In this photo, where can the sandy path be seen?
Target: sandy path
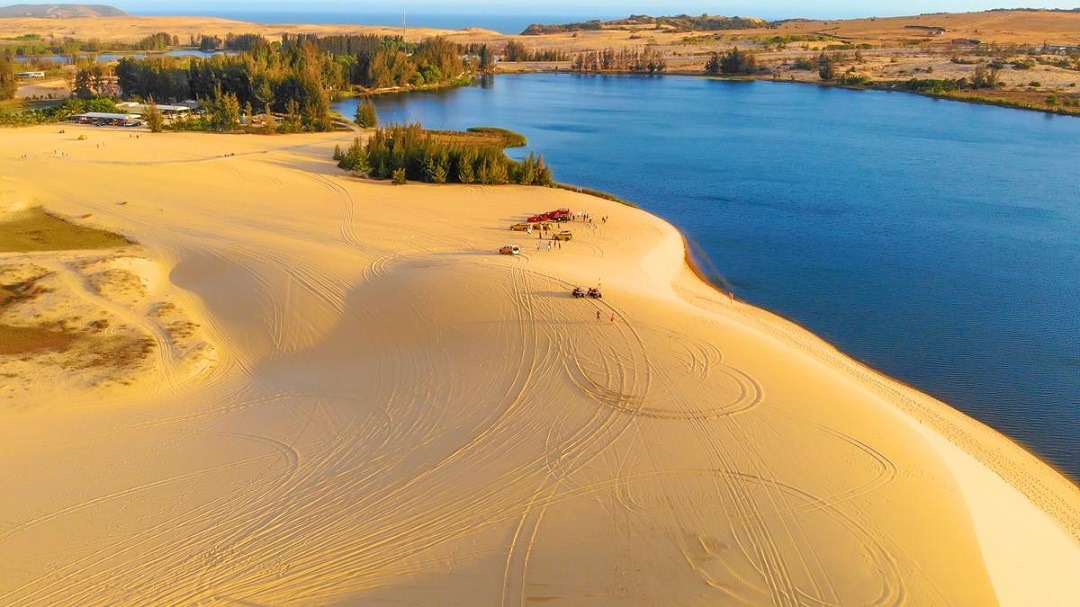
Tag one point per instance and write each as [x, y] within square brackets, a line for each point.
[399, 415]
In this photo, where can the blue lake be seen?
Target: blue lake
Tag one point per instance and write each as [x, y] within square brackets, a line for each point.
[934, 240]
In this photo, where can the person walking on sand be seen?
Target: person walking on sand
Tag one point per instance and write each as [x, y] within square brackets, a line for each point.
[612, 317]
[549, 245]
[598, 315]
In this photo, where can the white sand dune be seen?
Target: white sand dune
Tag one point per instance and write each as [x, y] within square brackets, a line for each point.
[398, 415]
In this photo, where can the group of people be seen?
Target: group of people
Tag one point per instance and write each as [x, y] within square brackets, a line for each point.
[588, 218]
[540, 244]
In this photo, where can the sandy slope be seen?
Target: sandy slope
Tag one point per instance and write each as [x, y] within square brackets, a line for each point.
[398, 415]
[1002, 27]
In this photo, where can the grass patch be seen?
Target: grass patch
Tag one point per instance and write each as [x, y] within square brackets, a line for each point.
[23, 340]
[481, 135]
[36, 230]
[114, 352]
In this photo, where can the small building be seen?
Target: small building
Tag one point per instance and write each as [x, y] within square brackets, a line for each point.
[30, 75]
[107, 119]
[169, 111]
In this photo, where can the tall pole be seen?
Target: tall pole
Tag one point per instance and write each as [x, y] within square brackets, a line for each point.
[404, 29]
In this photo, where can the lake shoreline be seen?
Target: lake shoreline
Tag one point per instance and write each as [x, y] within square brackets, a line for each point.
[665, 398]
[974, 375]
[885, 86]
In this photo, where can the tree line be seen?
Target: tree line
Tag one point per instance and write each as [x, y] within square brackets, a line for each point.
[408, 152]
[377, 62]
[293, 77]
[295, 81]
[636, 60]
[231, 42]
[516, 51]
[732, 62]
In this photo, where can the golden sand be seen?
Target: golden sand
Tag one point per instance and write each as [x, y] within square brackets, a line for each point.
[395, 414]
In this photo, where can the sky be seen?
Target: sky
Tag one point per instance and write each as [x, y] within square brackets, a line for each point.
[768, 9]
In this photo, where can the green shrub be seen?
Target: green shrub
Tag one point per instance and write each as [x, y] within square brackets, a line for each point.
[366, 115]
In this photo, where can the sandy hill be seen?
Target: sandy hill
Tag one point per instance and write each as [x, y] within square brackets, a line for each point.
[396, 414]
[681, 23]
[60, 11]
[1004, 27]
[1001, 26]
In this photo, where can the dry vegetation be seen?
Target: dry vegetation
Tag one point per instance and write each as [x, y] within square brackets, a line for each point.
[23, 340]
[76, 309]
[36, 230]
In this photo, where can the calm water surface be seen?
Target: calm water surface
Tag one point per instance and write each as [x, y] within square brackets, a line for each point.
[934, 240]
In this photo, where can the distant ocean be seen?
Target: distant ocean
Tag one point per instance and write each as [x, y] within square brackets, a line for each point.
[506, 24]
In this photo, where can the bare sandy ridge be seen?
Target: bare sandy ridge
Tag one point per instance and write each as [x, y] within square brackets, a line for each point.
[1001, 27]
[397, 414]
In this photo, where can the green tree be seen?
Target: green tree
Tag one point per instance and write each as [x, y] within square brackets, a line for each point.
[8, 85]
[465, 166]
[516, 51]
[366, 115]
[826, 67]
[985, 77]
[93, 81]
[487, 59]
[269, 121]
[154, 119]
[398, 177]
[291, 124]
[229, 116]
[354, 159]
[544, 176]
